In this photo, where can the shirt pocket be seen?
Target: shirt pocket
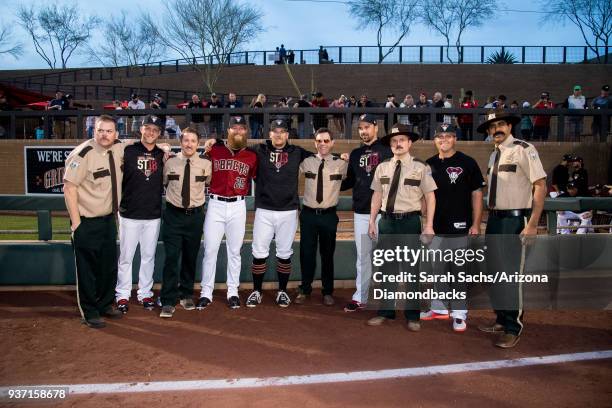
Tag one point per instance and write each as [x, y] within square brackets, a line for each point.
[335, 177]
[100, 178]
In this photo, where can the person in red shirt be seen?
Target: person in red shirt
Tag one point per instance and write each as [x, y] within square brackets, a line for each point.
[319, 120]
[541, 123]
[233, 168]
[466, 122]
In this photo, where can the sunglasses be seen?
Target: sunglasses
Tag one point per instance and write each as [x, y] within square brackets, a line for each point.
[323, 141]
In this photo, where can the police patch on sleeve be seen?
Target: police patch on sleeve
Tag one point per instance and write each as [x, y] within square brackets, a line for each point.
[74, 165]
[533, 155]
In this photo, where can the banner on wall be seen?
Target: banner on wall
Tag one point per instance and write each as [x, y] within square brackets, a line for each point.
[44, 169]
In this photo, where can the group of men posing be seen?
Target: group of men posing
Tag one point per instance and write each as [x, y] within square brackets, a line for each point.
[391, 190]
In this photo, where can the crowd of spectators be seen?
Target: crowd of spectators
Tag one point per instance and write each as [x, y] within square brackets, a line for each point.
[531, 127]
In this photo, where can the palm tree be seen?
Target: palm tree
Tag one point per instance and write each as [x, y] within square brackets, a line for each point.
[501, 57]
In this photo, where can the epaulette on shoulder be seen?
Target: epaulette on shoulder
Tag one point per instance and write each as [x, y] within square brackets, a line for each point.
[85, 150]
[522, 143]
[117, 141]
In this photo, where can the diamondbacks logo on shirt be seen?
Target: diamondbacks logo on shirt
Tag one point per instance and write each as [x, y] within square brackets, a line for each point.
[231, 165]
[369, 161]
[279, 159]
[454, 173]
[146, 164]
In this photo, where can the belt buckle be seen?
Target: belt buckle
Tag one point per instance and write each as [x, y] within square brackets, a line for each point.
[398, 216]
[189, 211]
[318, 211]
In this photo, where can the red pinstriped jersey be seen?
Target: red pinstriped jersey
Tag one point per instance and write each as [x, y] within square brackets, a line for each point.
[231, 172]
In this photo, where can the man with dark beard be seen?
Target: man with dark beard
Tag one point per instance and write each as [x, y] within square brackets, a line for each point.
[233, 168]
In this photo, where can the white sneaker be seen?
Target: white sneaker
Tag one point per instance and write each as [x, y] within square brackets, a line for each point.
[459, 325]
[254, 299]
[282, 299]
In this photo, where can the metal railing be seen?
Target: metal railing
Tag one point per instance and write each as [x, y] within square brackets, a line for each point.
[353, 54]
[43, 206]
[342, 121]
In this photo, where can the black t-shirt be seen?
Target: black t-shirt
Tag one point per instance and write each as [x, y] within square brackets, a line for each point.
[142, 182]
[456, 177]
[560, 177]
[277, 176]
[361, 168]
[196, 117]
[580, 178]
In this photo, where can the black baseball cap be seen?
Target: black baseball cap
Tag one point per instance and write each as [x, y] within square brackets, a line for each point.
[605, 88]
[134, 96]
[368, 117]
[152, 120]
[445, 128]
[279, 123]
[237, 120]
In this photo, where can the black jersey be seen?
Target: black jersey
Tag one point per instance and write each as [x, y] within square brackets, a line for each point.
[142, 182]
[362, 165]
[277, 176]
[456, 177]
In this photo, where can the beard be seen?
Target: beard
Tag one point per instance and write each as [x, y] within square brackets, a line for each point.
[236, 142]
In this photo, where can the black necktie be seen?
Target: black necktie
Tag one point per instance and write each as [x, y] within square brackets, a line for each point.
[394, 187]
[186, 190]
[320, 183]
[493, 187]
[113, 173]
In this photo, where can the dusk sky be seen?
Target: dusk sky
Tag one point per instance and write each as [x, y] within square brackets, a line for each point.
[308, 24]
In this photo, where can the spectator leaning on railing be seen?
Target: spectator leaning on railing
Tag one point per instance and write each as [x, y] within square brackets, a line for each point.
[197, 119]
[466, 122]
[135, 103]
[301, 103]
[603, 101]
[575, 101]
[541, 123]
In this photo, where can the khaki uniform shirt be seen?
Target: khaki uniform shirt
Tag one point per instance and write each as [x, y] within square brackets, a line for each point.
[334, 171]
[518, 168]
[415, 182]
[200, 171]
[88, 167]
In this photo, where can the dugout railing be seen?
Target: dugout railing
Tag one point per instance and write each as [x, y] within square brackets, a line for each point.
[594, 123]
[48, 262]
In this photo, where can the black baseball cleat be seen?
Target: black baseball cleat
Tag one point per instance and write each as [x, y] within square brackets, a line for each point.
[148, 303]
[123, 305]
[95, 323]
[233, 302]
[112, 313]
[203, 303]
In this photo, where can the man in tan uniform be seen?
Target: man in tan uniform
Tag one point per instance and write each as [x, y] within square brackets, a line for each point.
[318, 219]
[517, 188]
[185, 176]
[92, 190]
[399, 185]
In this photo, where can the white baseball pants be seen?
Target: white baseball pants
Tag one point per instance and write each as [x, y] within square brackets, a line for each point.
[277, 225]
[229, 219]
[131, 233]
[363, 264]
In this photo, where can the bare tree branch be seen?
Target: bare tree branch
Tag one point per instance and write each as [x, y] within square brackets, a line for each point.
[57, 32]
[7, 44]
[385, 16]
[451, 18]
[592, 17]
[126, 42]
[205, 32]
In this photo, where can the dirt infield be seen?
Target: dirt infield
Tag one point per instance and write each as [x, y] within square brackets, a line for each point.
[45, 343]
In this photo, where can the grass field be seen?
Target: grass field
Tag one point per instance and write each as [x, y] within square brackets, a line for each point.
[30, 222]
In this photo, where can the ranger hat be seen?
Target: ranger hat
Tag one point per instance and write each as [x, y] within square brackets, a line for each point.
[400, 129]
[495, 116]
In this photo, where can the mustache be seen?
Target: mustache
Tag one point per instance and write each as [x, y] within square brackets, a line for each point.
[498, 134]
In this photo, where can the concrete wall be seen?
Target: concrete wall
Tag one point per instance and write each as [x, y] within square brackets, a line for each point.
[596, 157]
[519, 81]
